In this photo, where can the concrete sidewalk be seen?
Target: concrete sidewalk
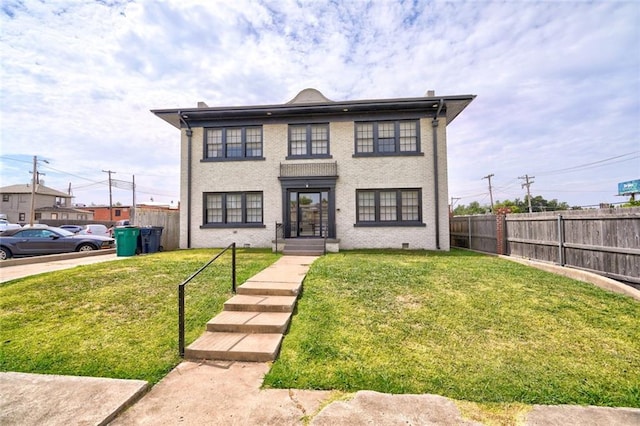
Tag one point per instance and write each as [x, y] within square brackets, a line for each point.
[23, 267]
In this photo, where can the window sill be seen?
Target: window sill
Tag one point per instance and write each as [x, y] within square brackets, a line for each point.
[222, 159]
[308, 157]
[389, 224]
[232, 225]
[388, 154]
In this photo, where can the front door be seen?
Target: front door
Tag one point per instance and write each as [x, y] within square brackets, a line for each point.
[309, 213]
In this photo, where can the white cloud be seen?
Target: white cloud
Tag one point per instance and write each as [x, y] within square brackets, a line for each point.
[557, 82]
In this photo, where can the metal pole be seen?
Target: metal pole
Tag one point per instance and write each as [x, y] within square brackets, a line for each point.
[560, 241]
[233, 268]
[181, 320]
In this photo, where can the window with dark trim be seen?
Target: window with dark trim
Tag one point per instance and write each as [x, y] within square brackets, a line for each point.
[375, 207]
[233, 143]
[400, 137]
[309, 141]
[5, 197]
[229, 209]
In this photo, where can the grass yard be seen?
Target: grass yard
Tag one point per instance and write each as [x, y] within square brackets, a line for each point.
[462, 325]
[116, 319]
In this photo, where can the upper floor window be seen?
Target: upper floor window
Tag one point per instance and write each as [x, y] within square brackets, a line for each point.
[233, 143]
[5, 197]
[233, 208]
[388, 207]
[387, 137]
[309, 141]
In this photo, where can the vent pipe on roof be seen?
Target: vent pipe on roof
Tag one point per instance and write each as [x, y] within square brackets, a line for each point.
[431, 93]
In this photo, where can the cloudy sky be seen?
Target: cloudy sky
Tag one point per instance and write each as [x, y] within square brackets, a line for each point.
[557, 84]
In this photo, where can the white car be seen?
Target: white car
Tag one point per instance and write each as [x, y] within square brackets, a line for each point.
[4, 225]
[95, 229]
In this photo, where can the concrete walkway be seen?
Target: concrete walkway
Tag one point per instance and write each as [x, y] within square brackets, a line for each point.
[23, 267]
[228, 393]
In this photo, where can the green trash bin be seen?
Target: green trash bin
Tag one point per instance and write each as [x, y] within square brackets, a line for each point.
[126, 240]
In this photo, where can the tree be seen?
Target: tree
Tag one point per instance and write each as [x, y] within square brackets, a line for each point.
[515, 206]
[538, 204]
[474, 207]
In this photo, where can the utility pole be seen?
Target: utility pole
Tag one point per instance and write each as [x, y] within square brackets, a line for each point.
[454, 200]
[35, 181]
[527, 183]
[489, 176]
[32, 211]
[132, 217]
[110, 196]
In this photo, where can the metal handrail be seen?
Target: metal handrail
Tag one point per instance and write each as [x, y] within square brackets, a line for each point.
[278, 228]
[182, 285]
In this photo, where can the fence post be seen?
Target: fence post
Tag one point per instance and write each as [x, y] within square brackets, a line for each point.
[469, 229]
[181, 320]
[233, 268]
[560, 241]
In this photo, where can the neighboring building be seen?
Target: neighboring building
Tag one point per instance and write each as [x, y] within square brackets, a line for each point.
[48, 204]
[104, 213]
[365, 174]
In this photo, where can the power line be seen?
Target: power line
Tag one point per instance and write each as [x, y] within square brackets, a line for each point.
[635, 154]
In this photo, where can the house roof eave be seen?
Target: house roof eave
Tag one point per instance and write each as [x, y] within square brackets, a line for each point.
[453, 106]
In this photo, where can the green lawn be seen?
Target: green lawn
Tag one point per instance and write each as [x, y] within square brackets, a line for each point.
[116, 319]
[462, 325]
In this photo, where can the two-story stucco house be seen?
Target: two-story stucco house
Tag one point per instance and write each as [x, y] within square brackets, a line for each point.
[363, 174]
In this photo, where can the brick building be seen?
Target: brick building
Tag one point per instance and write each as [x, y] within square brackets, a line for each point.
[364, 174]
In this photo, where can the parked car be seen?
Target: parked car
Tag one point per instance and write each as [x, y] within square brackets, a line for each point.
[95, 229]
[49, 240]
[72, 228]
[4, 225]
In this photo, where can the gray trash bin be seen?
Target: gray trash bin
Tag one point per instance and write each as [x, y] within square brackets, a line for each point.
[150, 238]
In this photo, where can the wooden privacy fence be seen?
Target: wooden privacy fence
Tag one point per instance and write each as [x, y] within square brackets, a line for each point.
[168, 219]
[476, 232]
[605, 241]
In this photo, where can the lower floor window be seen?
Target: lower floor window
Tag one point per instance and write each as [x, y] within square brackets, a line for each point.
[228, 208]
[388, 206]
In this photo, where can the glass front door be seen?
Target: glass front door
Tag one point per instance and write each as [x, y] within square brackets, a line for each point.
[308, 213]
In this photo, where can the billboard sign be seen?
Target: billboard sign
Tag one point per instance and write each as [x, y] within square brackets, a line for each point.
[629, 187]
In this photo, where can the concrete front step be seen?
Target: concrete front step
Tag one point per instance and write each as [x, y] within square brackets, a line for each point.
[250, 322]
[298, 252]
[304, 247]
[259, 347]
[251, 303]
[270, 288]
